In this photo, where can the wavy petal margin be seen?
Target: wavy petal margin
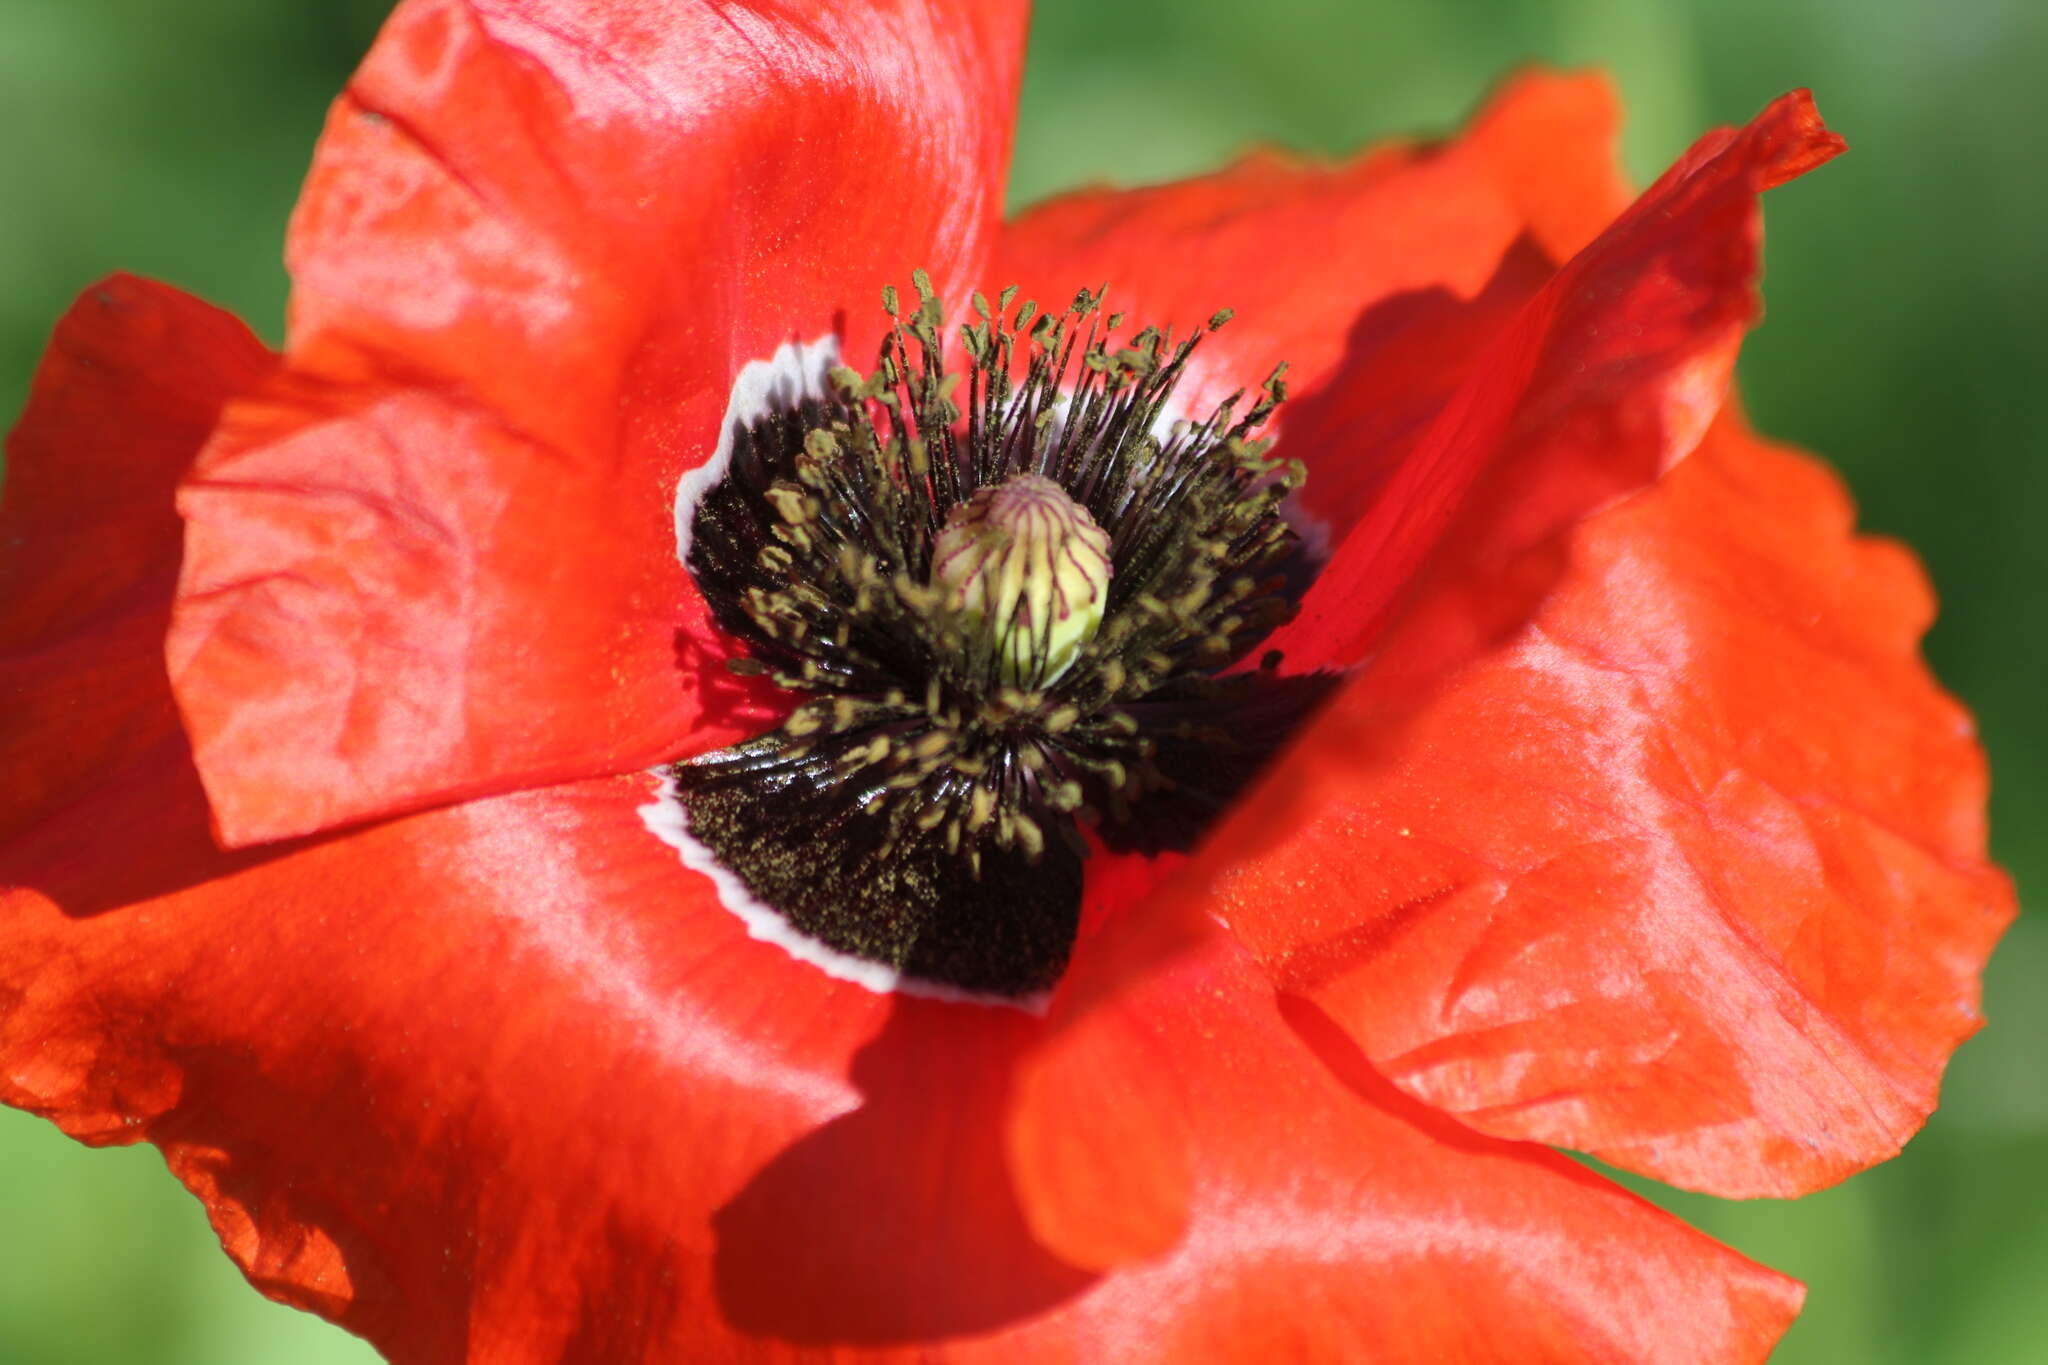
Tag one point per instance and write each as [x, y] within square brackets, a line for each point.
[1685, 867]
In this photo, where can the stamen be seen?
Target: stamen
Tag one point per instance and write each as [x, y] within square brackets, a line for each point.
[1006, 617]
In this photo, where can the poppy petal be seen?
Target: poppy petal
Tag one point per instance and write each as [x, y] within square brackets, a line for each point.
[503, 1082]
[1313, 257]
[436, 557]
[1684, 867]
[1257, 1154]
[133, 380]
[1615, 366]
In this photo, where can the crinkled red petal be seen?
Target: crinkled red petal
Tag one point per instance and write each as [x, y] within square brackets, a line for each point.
[1177, 1113]
[1371, 279]
[132, 383]
[437, 557]
[1611, 370]
[1683, 865]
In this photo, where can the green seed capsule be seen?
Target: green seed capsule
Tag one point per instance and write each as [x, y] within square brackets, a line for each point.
[1027, 570]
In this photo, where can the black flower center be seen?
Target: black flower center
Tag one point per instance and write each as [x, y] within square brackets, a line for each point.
[1013, 611]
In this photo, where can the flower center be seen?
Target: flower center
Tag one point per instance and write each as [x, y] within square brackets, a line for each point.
[1009, 619]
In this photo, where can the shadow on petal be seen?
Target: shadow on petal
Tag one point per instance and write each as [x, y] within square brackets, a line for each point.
[734, 707]
[1404, 356]
[898, 1221]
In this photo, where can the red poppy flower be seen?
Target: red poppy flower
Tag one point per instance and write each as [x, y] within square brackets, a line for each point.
[1630, 821]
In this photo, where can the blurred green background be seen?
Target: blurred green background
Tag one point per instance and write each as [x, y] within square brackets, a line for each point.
[1908, 292]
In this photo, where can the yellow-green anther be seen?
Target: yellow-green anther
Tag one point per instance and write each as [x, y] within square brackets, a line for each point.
[1026, 570]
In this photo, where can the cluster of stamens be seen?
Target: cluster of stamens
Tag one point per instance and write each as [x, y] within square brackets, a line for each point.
[955, 714]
